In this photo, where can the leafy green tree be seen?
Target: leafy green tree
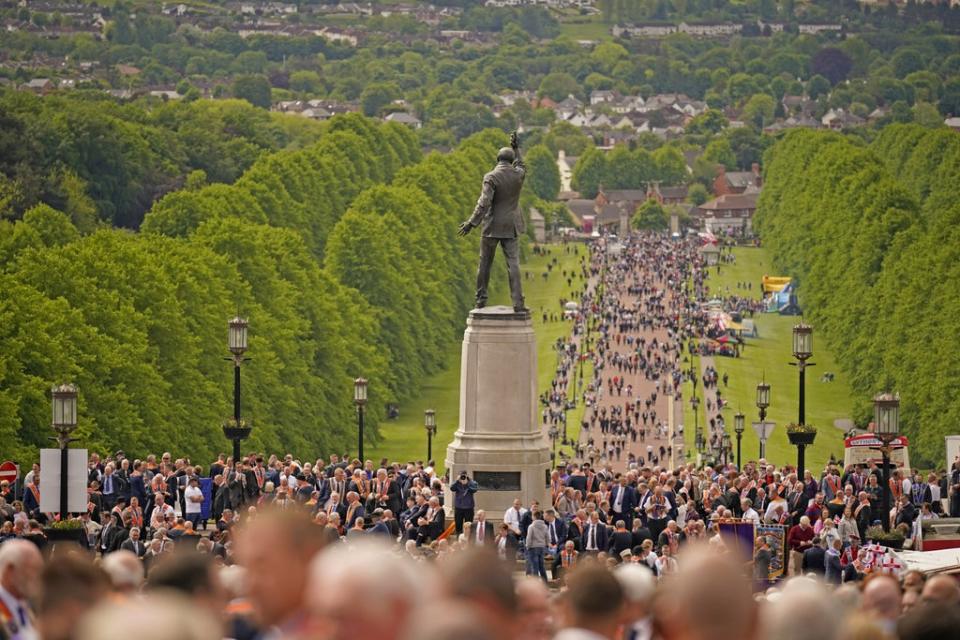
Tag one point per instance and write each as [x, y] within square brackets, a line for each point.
[832, 63]
[759, 110]
[558, 85]
[589, 172]
[817, 86]
[650, 216]
[697, 194]
[671, 165]
[254, 88]
[543, 176]
[378, 95]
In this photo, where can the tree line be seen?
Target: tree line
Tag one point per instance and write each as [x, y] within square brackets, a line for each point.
[342, 255]
[870, 233]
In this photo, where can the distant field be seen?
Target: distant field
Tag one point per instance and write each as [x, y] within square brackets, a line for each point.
[585, 28]
[405, 438]
[769, 356]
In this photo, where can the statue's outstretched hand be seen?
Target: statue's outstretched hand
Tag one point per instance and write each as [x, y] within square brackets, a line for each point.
[465, 228]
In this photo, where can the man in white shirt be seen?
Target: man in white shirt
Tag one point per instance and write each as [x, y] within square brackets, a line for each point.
[749, 513]
[193, 498]
[513, 515]
[20, 568]
[160, 512]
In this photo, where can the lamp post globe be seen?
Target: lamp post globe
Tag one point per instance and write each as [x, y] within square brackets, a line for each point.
[237, 336]
[886, 418]
[360, 399]
[430, 424]
[738, 427]
[64, 406]
[802, 341]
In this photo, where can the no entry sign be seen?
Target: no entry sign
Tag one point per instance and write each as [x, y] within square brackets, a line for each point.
[8, 471]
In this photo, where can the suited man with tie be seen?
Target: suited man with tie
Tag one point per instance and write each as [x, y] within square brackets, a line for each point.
[565, 560]
[430, 526]
[623, 501]
[334, 505]
[336, 484]
[133, 543]
[20, 567]
[556, 532]
[481, 533]
[595, 536]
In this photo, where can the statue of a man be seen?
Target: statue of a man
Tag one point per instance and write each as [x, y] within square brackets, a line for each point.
[498, 209]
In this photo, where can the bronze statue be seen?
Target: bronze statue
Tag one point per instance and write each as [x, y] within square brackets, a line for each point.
[498, 209]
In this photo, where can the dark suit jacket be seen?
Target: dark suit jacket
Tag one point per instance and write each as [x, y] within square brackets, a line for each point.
[602, 536]
[813, 560]
[619, 541]
[128, 546]
[630, 500]
[489, 535]
[435, 528]
[574, 533]
[498, 207]
[138, 489]
[561, 528]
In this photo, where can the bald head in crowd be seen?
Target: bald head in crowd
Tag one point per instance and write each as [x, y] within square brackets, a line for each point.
[594, 600]
[277, 546]
[882, 597]
[708, 599]
[942, 589]
[365, 591]
[20, 567]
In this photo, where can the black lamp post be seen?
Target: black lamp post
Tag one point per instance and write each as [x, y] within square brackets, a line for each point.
[430, 424]
[64, 422]
[763, 403]
[886, 420]
[725, 447]
[738, 422]
[236, 430]
[360, 399]
[553, 433]
[801, 434]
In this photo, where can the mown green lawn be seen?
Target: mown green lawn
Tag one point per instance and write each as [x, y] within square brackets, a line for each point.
[585, 28]
[768, 356]
[405, 438]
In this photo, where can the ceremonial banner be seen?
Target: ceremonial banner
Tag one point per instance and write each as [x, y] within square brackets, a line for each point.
[206, 486]
[776, 535]
[738, 536]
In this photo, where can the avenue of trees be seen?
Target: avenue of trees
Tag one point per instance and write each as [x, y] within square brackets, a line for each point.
[103, 162]
[343, 255]
[870, 232]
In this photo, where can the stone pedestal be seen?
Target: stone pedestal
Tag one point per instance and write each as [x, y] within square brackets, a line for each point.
[499, 442]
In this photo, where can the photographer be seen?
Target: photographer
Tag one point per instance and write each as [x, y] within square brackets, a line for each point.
[463, 490]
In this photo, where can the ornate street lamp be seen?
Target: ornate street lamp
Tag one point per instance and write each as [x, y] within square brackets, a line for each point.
[802, 434]
[738, 422]
[64, 422]
[886, 421]
[430, 424]
[725, 447]
[236, 430]
[360, 399]
[763, 428]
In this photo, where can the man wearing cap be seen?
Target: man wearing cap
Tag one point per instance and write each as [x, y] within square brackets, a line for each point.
[498, 210]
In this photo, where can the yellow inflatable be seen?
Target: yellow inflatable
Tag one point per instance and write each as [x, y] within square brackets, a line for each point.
[775, 283]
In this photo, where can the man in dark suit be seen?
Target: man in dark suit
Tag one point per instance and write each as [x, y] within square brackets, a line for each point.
[133, 543]
[623, 501]
[595, 536]
[336, 484]
[499, 212]
[386, 492]
[621, 540]
[814, 558]
[430, 526]
[481, 532]
[556, 532]
[575, 531]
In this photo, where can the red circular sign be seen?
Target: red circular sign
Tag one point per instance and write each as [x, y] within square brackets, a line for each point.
[8, 471]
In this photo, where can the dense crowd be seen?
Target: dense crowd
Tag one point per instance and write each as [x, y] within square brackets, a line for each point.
[626, 545]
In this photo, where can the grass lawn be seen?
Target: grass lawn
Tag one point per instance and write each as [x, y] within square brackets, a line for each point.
[585, 28]
[405, 439]
[768, 356]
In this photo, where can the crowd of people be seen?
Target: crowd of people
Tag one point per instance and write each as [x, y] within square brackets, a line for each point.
[628, 543]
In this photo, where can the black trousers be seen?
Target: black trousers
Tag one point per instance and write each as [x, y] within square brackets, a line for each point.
[511, 251]
[460, 516]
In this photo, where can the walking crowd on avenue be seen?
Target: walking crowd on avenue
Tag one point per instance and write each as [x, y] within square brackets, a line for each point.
[635, 540]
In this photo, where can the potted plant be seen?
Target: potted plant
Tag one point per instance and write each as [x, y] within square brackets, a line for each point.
[70, 530]
[893, 538]
[801, 434]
